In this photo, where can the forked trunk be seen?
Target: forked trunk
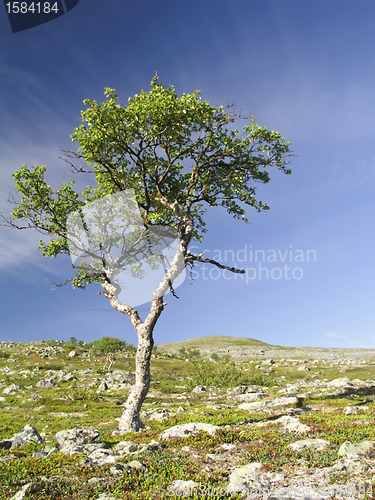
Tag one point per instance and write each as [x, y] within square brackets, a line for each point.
[130, 419]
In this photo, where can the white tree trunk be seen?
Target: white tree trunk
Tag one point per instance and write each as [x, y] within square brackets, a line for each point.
[130, 420]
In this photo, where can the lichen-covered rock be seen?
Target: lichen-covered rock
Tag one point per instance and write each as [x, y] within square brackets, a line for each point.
[351, 466]
[45, 452]
[11, 389]
[28, 435]
[184, 430]
[340, 382]
[248, 477]
[45, 383]
[137, 465]
[183, 488]
[365, 449]
[159, 414]
[199, 389]
[25, 490]
[77, 436]
[292, 424]
[255, 406]
[125, 447]
[250, 397]
[310, 444]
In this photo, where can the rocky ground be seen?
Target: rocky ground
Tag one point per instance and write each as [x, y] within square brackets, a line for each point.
[272, 423]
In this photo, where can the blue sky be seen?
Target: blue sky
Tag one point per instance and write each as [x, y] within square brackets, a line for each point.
[305, 69]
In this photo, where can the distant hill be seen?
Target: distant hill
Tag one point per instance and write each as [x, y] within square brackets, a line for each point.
[213, 343]
[242, 348]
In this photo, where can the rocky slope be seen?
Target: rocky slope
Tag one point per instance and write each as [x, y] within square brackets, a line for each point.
[307, 432]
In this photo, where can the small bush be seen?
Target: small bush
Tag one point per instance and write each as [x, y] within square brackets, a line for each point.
[225, 375]
[112, 347]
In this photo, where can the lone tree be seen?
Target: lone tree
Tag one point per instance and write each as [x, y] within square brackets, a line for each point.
[179, 157]
[112, 347]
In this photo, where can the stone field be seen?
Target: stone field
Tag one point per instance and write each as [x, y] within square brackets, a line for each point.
[226, 417]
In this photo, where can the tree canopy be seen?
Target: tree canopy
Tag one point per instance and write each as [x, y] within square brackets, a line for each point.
[178, 154]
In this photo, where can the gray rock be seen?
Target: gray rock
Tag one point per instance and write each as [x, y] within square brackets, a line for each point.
[340, 382]
[35, 397]
[45, 383]
[288, 424]
[235, 391]
[292, 424]
[184, 430]
[351, 466]
[91, 447]
[199, 389]
[311, 444]
[77, 436]
[28, 435]
[137, 465]
[125, 447]
[103, 386]
[159, 414]
[183, 488]
[106, 496]
[119, 469]
[11, 389]
[152, 446]
[45, 452]
[69, 377]
[254, 388]
[25, 490]
[286, 401]
[216, 457]
[102, 456]
[248, 477]
[303, 368]
[365, 449]
[250, 396]
[72, 354]
[255, 406]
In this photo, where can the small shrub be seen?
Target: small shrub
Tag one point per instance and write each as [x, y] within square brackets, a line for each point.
[225, 375]
[112, 347]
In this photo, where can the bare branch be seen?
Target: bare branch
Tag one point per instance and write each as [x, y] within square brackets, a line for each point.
[61, 284]
[72, 154]
[190, 257]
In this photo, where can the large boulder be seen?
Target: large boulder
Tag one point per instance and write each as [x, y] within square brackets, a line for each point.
[184, 430]
[11, 389]
[248, 477]
[310, 444]
[45, 383]
[28, 435]
[365, 449]
[292, 424]
[77, 436]
[254, 407]
[340, 382]
[125, 447]
[250, 397]
[159, 414]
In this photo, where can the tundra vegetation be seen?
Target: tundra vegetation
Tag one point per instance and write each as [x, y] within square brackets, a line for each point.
[326, 394]
[179, 156]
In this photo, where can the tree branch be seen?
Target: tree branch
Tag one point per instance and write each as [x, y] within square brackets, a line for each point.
[190, 258]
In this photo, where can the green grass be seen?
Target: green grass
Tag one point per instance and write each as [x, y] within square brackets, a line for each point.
[63, 477]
